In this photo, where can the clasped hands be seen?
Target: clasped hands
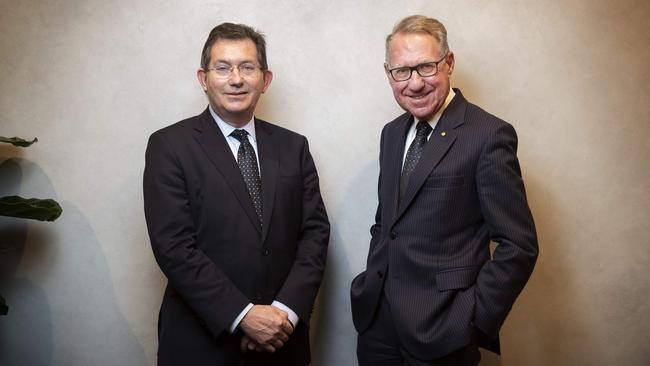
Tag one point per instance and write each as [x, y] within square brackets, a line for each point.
[266, 328]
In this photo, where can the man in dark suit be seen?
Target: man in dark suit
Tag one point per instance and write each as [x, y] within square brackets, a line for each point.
[449, 184]
[236, 220]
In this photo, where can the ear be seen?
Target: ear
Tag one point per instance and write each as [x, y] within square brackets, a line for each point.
[390, 78]
[449, 61]
[268, 76]
[202, 76]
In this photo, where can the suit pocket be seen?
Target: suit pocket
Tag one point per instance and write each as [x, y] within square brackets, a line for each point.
[434, 182]
[457, 278]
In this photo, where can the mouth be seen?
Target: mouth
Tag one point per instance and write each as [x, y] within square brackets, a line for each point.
[419, 96]
[236, 94]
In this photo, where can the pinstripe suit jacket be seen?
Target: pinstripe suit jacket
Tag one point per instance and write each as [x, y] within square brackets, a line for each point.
[430, 252]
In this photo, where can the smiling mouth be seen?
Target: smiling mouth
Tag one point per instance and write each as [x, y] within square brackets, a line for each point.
[420, 96]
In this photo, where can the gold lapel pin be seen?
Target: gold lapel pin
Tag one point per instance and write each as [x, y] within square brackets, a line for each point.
[443, 133]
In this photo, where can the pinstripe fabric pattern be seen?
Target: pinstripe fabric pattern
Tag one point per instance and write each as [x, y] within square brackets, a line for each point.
[429, 253]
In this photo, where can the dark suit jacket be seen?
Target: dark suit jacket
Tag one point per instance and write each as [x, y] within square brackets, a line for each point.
[430, 253]
[206, 238]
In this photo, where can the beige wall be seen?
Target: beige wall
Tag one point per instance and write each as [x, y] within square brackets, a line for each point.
[92, 79]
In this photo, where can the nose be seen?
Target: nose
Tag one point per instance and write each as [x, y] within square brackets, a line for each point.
[416, 82]
[235, 78]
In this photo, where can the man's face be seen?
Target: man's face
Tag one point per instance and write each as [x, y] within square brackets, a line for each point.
[421, 96]
[234, 97]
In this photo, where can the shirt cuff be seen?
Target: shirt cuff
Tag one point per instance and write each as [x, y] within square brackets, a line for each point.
[235, 324]
[293, 317]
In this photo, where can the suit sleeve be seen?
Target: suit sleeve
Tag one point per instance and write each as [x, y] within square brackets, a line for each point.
[375, 229]
[510, 224]
[201, 285]
[365, 289]
[301, 286]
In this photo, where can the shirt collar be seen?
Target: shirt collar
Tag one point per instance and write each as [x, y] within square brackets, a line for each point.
[227, 129]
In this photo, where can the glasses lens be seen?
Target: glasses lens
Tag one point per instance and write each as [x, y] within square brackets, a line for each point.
[427, 69]
[247, 69]
[222, 70]
[401, 74]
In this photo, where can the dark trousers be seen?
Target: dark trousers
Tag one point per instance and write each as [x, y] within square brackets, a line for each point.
[380, 345]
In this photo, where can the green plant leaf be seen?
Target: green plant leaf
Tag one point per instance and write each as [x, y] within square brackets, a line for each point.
[17, 141]
[30, 208]
[4, 309]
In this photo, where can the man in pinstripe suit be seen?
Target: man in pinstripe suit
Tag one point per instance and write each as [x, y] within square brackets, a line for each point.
[449, 184]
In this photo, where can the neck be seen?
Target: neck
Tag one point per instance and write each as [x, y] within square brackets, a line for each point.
[237, 121]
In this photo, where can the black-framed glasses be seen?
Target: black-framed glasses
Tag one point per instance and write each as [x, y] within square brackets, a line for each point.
[424, 69]
[224, 71]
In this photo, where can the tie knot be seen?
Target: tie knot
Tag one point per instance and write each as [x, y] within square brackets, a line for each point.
[240, 135]
[422, 129]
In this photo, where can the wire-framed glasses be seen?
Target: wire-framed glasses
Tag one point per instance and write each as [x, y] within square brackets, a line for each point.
[224, 71]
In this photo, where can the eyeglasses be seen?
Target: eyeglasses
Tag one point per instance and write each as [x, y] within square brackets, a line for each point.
[224, 71]
[424, 69]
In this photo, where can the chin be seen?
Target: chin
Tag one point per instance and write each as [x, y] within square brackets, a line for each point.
[236, 111]
[234, 108]
[421, 114]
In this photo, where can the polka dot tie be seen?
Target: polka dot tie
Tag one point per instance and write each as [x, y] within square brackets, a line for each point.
[413, 155]
[248, 165]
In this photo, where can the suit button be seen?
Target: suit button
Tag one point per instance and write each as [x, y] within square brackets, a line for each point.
[380, 274]
[258, 297]
[265, 251]
[393, 235]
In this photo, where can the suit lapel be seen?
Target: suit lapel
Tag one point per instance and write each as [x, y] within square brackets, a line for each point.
[442, 138]
[215, 146]
[268, 153]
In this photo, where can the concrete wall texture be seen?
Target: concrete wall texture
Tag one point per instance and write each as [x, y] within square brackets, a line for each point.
[92, 79]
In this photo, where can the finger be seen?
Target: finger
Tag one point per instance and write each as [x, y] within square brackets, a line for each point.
[244, 344]
[268, 348]
[282, 336]
[287, 327]
[252, 346]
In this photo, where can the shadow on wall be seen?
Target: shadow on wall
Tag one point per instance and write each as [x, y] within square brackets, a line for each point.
[550, 295]
[332, 311]
[333, 333]
[57, 283]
